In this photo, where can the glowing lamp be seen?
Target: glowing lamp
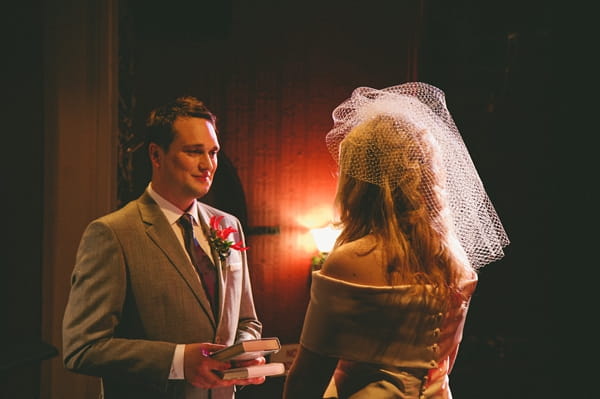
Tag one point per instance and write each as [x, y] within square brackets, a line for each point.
[324, 238]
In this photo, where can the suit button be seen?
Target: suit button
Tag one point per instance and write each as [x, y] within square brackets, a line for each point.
[217, 340]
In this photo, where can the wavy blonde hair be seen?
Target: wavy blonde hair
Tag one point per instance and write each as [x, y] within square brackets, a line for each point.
[391, 185]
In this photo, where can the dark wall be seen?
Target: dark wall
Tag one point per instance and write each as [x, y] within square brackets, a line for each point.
[22, 185]
[494, 61]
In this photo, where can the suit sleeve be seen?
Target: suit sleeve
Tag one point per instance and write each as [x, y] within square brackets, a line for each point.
[93, 313]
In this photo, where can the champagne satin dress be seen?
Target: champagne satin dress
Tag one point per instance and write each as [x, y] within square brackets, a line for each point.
[393, 341]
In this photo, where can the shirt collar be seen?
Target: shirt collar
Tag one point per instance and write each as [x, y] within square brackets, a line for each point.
[172, 212]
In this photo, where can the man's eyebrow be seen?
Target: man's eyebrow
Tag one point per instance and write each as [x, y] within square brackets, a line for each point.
[216, 147]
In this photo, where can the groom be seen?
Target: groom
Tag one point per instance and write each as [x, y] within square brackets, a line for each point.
[139, 314]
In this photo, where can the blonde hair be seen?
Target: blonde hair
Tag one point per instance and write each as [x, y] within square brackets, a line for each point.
[404, 207]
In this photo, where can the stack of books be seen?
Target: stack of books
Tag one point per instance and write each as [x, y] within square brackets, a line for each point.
[248, 350]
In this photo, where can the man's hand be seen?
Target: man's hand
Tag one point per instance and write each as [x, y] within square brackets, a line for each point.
[198, 366]
[246, 363]
[250, 362]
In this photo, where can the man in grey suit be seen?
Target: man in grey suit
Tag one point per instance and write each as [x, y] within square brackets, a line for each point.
[139, 314]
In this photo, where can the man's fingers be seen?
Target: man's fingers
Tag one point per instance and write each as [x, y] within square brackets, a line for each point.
[251, 381]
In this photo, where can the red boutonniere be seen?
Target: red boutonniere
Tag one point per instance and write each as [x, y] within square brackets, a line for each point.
[218, 238]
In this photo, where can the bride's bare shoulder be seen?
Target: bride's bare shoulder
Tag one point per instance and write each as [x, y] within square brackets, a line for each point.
[358, 261]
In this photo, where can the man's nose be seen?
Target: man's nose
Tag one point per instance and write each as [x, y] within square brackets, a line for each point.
[206, 162]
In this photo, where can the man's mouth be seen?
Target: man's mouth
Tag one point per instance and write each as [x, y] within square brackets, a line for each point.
[204, 177]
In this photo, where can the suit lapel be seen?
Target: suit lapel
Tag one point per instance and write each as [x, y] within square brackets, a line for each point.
[204, 217]
[161, 233]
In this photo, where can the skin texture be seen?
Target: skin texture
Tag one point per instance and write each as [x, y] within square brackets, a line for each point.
[198, 367]
[186, 169]
[311, 375]
[354, 262]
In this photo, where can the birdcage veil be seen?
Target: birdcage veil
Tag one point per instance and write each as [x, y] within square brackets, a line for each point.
[418, 107]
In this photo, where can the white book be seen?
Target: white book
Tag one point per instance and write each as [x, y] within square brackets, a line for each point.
[260, 370]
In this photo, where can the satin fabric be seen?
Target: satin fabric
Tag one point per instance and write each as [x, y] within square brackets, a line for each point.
[394, 341]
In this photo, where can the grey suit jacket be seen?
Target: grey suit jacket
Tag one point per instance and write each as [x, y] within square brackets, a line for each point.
[134, 296]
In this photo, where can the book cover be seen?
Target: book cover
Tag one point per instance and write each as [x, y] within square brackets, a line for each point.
[261, 370]
[250, 349]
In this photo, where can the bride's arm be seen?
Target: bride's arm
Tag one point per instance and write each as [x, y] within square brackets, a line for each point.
[309, 375]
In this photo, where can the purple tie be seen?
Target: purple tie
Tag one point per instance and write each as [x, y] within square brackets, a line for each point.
[204, 266]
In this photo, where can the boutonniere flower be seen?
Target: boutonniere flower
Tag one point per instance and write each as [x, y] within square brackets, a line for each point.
[218, 238]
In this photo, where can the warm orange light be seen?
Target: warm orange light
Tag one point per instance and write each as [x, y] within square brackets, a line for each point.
[318, 215]
[325, 238]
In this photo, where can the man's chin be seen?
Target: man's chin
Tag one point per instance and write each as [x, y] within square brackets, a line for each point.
[202, 190]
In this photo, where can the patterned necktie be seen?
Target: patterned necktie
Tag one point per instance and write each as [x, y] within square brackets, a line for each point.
[204, 266]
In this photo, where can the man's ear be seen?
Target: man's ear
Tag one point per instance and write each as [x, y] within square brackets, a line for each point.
[154, 151]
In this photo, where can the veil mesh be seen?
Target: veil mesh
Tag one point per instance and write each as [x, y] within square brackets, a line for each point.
[417, 108]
